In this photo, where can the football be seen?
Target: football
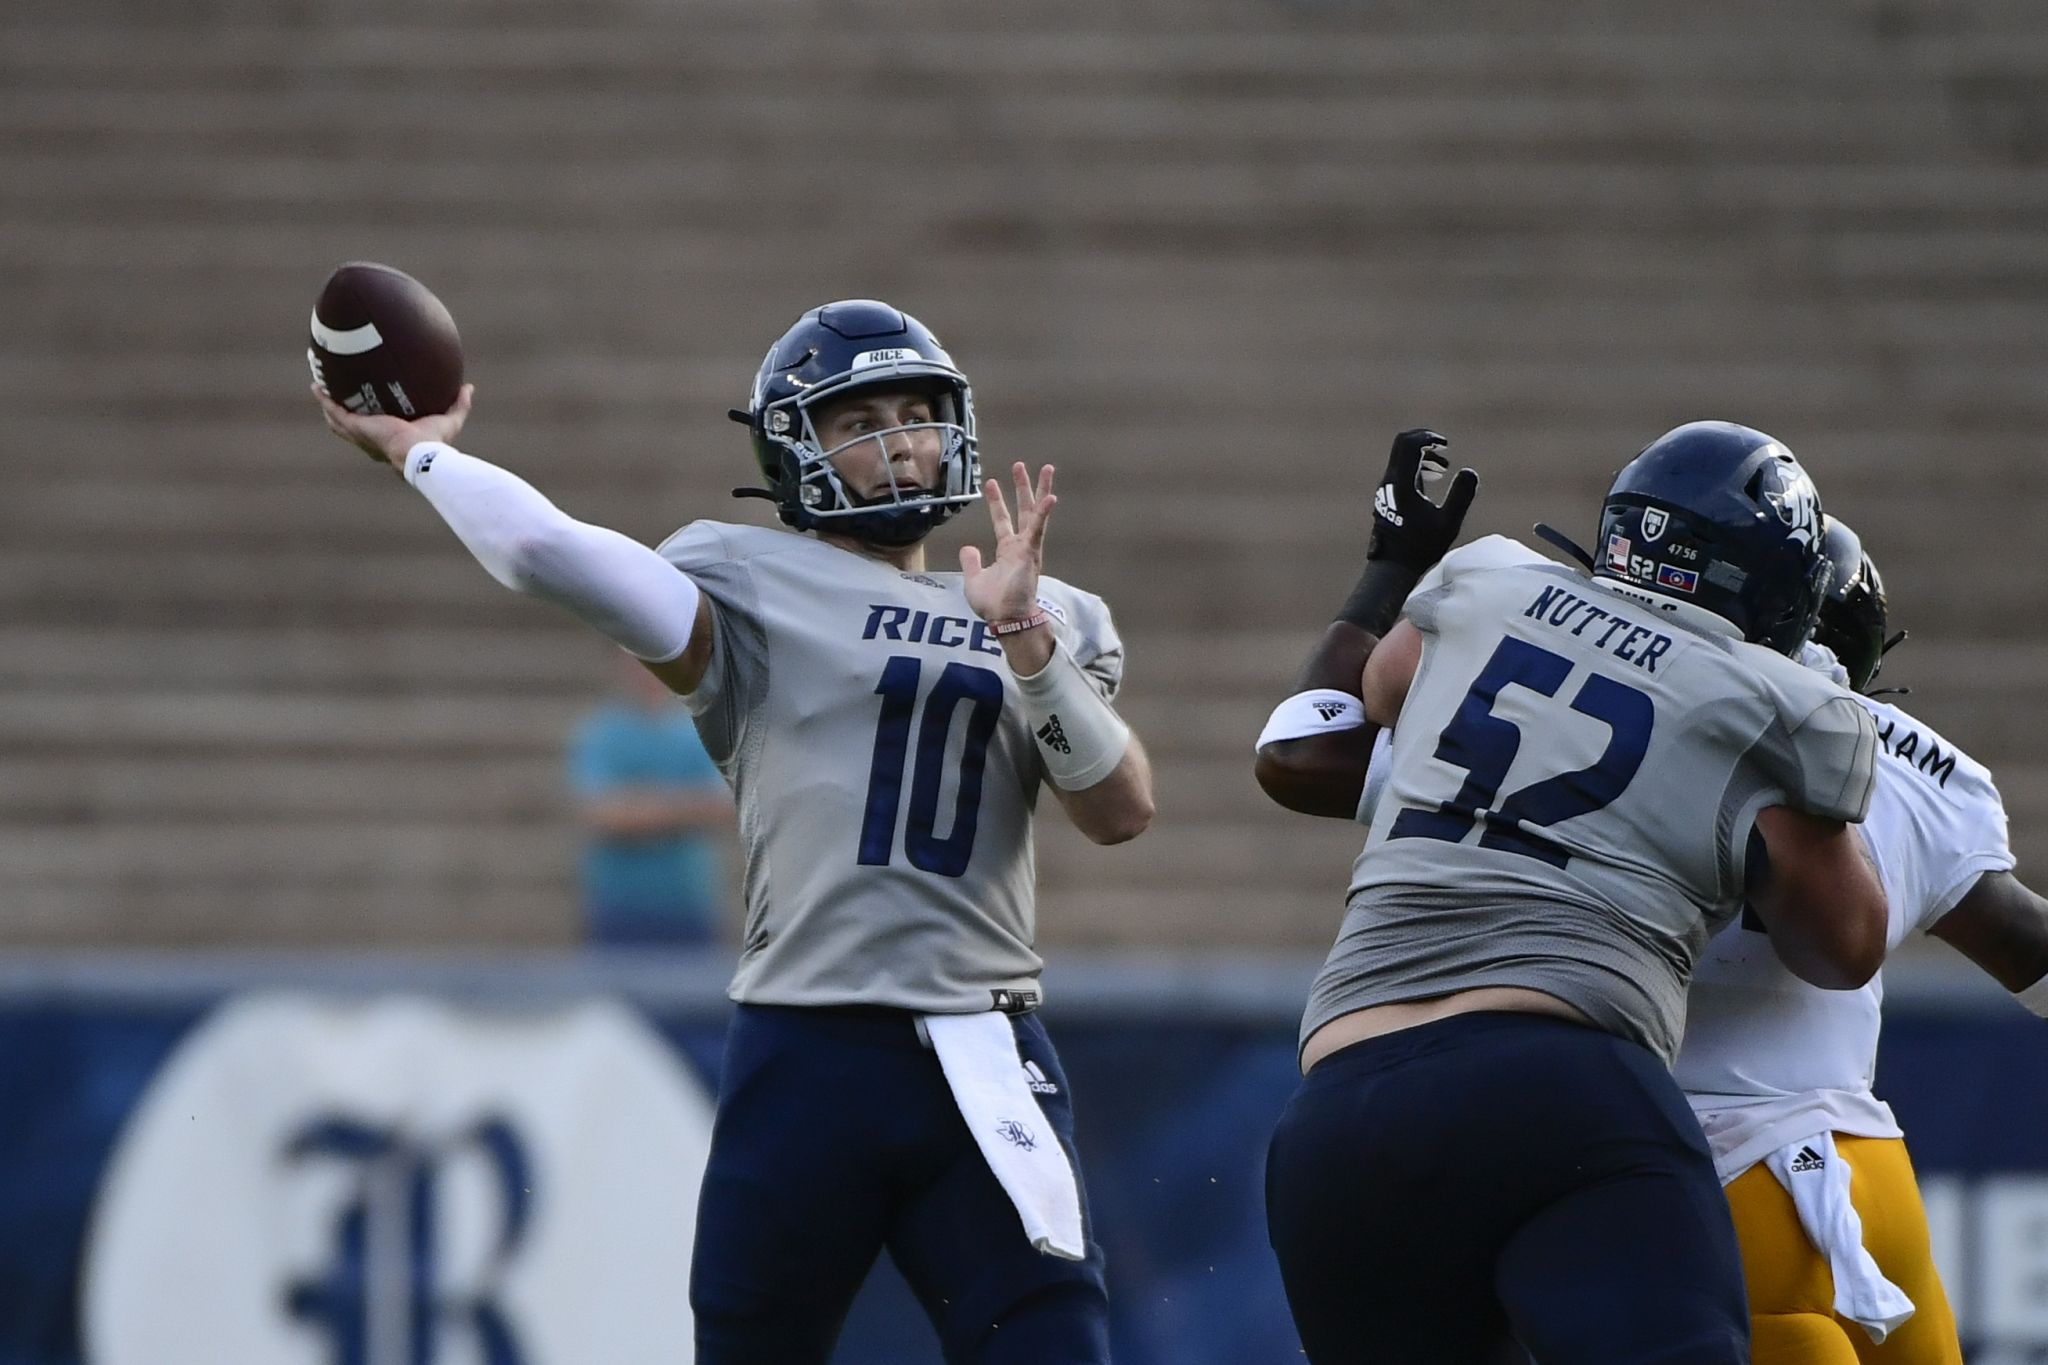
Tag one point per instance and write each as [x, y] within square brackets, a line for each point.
[382, 343]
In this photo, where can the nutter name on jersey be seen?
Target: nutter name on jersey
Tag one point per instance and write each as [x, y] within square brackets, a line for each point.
[1639, 645]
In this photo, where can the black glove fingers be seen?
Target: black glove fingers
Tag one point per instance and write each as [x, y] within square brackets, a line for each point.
[1458, 501]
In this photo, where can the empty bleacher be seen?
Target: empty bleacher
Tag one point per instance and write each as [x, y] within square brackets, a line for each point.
[1206, 256]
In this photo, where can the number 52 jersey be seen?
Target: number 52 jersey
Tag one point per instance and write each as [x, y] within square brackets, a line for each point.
[1570, 793]
[882, 768]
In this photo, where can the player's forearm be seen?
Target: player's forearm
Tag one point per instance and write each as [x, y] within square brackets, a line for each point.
[1081, 740]
[613, 583]
[1119, 807]
[2002, 926]
[1312, 755]
[1317, 770]
[1319, 775]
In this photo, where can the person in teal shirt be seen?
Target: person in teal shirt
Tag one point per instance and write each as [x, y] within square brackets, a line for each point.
[655, 810]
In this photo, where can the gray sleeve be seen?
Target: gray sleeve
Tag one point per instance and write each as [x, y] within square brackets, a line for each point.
[1488, 552]
[737, 670]
[1835, 752]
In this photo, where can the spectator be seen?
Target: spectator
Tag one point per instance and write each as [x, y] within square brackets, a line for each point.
[655, 811]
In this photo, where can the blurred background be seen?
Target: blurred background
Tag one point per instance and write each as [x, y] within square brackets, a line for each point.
[265, 727]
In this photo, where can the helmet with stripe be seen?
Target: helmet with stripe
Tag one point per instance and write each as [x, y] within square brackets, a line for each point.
[834, 351]
[1721, 518]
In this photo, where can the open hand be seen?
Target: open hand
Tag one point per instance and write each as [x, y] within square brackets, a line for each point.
[1007, 588]
[387, 439]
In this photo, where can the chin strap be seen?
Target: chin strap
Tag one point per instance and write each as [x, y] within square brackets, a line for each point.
[761, 493]
[1565, 543]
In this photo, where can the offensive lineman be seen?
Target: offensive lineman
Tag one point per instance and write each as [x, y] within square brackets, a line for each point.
[1834, 1237]
[886, 729]
[1585, 777]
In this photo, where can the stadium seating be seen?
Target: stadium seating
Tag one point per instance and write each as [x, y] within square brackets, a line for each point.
[1204, 255]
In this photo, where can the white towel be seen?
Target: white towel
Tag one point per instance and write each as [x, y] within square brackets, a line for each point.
[1817, 1178]
[978, 1053]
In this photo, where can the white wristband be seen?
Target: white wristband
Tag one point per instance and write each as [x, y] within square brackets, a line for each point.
[2035, 997]
[1318, 711]
[1080, 739]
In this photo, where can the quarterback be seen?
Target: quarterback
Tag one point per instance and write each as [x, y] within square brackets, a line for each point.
[1833, 1234]
[887, 728]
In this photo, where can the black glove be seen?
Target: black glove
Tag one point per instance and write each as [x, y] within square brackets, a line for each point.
[1407, 528]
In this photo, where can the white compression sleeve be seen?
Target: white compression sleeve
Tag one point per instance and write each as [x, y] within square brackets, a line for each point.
[612, 582]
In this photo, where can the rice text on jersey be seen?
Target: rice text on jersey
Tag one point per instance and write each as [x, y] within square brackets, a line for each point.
[887, 621]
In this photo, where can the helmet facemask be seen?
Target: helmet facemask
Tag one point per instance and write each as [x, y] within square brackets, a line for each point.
[1854, 616]
[898, 514]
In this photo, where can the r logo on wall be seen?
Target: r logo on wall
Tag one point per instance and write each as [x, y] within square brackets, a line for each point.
[402, 1183]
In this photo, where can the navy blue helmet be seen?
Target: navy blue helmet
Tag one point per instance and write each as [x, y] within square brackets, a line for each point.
[1852, 616]
[1722, 517]
[830, 352]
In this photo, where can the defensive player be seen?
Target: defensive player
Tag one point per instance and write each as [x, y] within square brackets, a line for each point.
[1585, 777]
[1833, 1234]
[886, 728]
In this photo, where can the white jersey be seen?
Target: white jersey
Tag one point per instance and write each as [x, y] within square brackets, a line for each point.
[1769, 1060]
[882, 768]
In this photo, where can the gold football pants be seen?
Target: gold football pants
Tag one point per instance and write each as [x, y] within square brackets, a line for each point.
[1792, 1291]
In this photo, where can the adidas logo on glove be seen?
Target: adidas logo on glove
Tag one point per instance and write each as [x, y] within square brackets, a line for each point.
[1383, 504]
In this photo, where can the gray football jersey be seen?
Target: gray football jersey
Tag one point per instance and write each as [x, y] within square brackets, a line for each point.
[882, 768]
[1572, 786]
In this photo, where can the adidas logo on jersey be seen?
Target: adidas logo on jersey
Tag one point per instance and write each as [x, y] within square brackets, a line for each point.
[1807, 1160]
[1054, 736]
[1039, 1082]
[1383, 504]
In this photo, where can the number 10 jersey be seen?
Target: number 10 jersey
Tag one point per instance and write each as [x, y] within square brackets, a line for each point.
[882, 768]
[1572, 786]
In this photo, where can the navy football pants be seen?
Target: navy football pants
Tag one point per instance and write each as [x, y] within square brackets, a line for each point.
[1432, 1191]
[837, 1136]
